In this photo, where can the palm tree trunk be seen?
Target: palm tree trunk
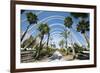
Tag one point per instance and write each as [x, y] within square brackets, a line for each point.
[73, 50]
[33, 41]
[25, 32]
[66, 39]
[66, 43]
[61, 45]
[84, 34]
[40, 48]
[48, 39]
[41, 41]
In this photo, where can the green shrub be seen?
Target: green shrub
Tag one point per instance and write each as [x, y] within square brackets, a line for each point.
[78, 48]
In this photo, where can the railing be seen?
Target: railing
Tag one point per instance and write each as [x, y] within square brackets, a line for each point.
[27, 56]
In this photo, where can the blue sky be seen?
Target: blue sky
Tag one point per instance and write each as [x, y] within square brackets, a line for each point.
[55, 21]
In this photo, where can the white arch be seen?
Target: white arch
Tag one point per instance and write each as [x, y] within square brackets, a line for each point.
[38, 13]
[54, 24]
[58, 25]
[51, 17]
[56, 17]
[45, 20]
[74, 36]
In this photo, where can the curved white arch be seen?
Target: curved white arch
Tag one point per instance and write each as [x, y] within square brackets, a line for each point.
[48, 19]
[38, 13]
[56, 17]
[57, 24]
[55, 30]
[51, 17]
[57, 27]
[74, 36]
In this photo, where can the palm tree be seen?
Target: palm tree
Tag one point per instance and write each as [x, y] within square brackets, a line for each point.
[28, 41]
[32, 19]
[65, 34]
[61, 43]
[44, 29]
[48, 31]
[68, 22]
[83, 27]
[79, 15]
[53, 45]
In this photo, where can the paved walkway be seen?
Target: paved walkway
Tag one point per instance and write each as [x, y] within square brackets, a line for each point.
[57, 56]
